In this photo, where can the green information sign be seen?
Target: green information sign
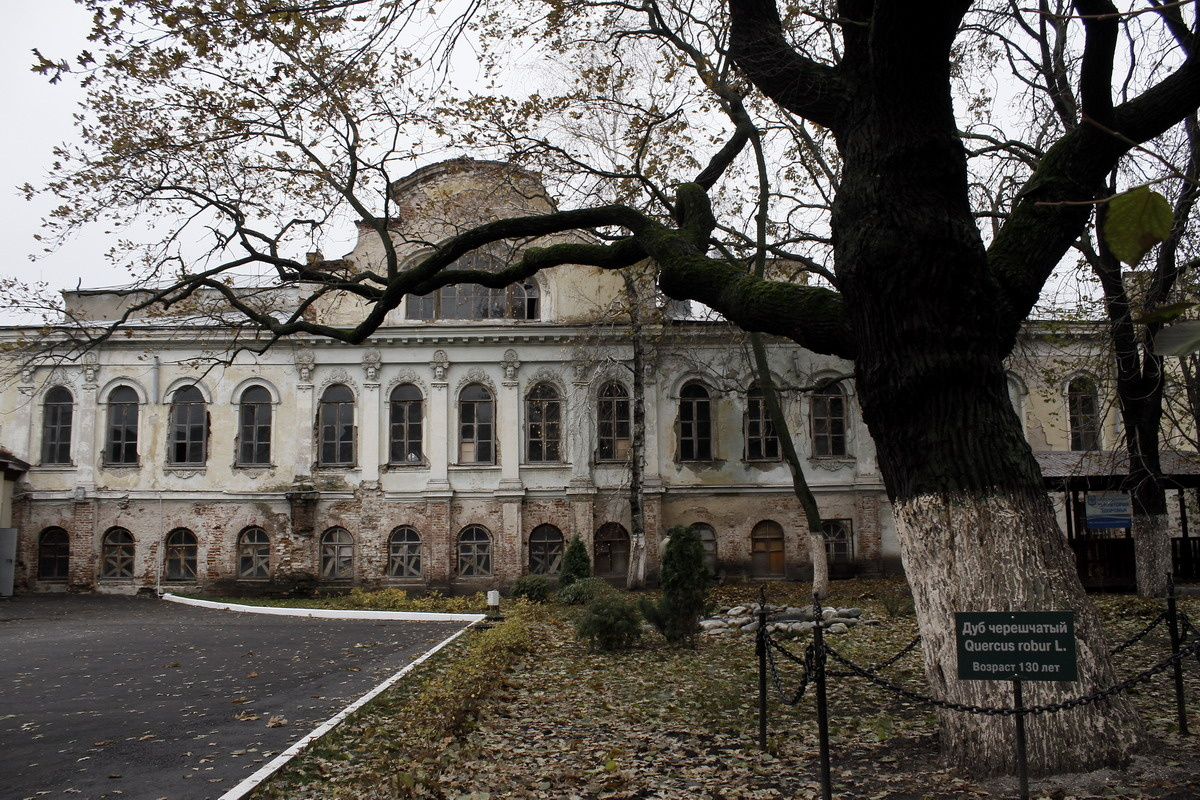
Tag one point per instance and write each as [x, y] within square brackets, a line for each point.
[1019, 645]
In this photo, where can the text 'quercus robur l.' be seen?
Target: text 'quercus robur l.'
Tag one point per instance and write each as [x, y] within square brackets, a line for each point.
[1024, 645]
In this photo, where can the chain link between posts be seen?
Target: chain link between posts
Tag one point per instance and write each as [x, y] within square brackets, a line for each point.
[811, 657]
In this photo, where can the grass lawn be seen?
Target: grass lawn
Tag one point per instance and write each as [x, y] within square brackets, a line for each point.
[525, 710]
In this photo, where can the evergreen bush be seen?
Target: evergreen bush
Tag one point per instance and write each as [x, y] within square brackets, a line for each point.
[534, 588]
[685, 584]
[584, 591]
[575, 563]
[610, 622]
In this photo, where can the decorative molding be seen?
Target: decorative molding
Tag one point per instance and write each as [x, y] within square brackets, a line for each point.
[547, 375]
[304, 364]
[477, 376]
[371, 362]
[338, 376]
[831, 464]
[439, 364]
[511, 364]
[408, 376]
[91, 365]
[184, 473]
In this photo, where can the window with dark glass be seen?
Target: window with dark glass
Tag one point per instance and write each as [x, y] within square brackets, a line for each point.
[179, 562]
[829, 422]
[543, 424]
[121, 439]
[839, 544]
[57, 411]
[545, 550]
[766, 550]
[404, 553]
[695, 424]
[708, 541]
[335, 420]
[470, 301]
[613, 431]
[116, 554]
[189, 427]
[254, 555]
[612, 550]
[54, 555]
[476, 425]
[337, 555]
[1083, 408]
[474, 552]
[404, 420]
[254, 432]
[761, 442]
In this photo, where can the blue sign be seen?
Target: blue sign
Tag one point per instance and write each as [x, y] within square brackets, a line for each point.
[1108, 510]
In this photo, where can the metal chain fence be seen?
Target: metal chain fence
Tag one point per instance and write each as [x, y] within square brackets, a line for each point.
[814, 671]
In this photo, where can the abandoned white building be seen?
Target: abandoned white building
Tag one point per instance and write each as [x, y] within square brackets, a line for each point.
[462, 446]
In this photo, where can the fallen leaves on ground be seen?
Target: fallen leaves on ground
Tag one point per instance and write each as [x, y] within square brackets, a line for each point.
[566, 723]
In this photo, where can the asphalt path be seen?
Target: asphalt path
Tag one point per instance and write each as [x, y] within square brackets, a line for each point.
[124, 697]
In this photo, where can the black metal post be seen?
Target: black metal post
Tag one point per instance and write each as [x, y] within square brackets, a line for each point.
[761, 644]
[1173, 626]
[822, 705]
[1022, 766]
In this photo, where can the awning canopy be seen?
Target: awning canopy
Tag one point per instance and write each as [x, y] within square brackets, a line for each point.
[1105, 470]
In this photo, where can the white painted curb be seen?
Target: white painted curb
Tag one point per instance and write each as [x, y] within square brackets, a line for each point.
[411, 616]
[248, 785]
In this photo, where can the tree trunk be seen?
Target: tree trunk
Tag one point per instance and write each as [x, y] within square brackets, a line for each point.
[812, 514]
[1140, 395]
[1005, 552]
[976, 528]
[636, 577]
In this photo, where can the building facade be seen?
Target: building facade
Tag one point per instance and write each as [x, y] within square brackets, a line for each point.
[460, 447]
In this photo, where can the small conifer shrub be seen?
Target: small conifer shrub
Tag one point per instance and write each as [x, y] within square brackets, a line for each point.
[575, 563]
[685, 584]
[610, 622]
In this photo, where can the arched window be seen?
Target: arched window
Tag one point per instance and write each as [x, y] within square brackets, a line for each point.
[829, 422]
[476, 426]
[254, 433]
[1083, 407]
[189, 427]
[470, 301]
[613, 433]
[761, 442]
[708, 541]
[612, 550]
[54, 555]
[179, 562]
[545, 550]
[337, 555]
[116, 554]
[121, 439]
[543, 425]
[404, 553]
[839, 546]
[254, 555]
[695, 424]
[474, 552]
[404, 419]
[335, 421]
[766, 550]
[57, 410]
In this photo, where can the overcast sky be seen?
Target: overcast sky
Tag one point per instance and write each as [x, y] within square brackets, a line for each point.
[40, 117]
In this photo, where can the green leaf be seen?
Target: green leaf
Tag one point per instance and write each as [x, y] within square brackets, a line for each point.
[1178, 340]
[1137, 220]
[1167, 313]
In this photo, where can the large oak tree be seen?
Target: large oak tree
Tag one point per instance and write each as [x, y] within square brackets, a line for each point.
[259, 119]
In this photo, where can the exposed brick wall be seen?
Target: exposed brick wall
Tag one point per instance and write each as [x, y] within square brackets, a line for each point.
[370, 518]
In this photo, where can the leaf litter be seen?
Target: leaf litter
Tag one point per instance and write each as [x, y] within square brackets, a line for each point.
[554, 720]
